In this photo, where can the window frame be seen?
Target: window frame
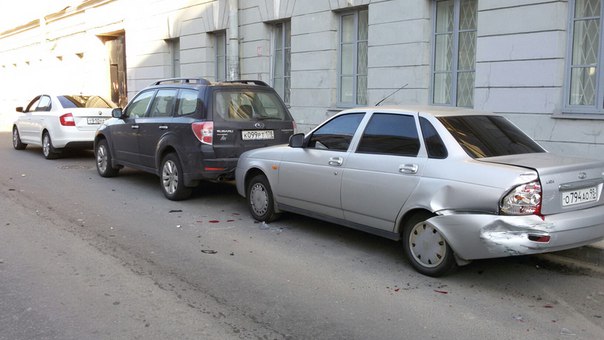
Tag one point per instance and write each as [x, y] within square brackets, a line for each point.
[280, 33]
[220, 55]
[355, 75]
[597, 108]
[455, 71]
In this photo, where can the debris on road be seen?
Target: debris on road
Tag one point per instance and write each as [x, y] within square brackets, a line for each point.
[209, 251]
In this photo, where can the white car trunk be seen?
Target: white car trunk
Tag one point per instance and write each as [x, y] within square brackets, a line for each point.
[87, 119]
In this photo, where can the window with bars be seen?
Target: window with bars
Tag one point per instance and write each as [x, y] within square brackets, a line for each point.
[352, 66]
[454, 52]
[282, 60]
[584, 78]
[220, 50]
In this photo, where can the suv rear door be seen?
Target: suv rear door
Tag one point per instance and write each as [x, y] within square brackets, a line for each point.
[248, 117]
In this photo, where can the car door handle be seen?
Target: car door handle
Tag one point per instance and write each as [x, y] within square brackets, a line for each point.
[336, 161]
[163, 127]
[408, 168]
[134, 127]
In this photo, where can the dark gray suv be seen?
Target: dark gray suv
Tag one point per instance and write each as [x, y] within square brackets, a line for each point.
[186, 130]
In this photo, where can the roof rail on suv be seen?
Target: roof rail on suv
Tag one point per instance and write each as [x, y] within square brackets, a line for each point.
[247, 81]
[201, 81]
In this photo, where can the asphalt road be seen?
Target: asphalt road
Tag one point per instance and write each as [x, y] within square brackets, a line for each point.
[85, 257]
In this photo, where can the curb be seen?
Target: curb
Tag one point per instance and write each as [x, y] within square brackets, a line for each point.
[589, 257]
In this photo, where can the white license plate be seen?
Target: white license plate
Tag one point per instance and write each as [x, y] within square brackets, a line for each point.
[579, 196]
[257, 134]
[95, 121]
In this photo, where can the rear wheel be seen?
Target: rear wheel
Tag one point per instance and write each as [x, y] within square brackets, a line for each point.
[48, 150]
[17, 144]
[172, 180]
[260, 199]
[103, 160]
[425, 247]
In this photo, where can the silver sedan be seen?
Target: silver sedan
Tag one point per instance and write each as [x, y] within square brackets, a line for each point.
[453, 184]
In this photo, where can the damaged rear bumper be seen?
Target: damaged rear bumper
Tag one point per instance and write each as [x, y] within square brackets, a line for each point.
[481, 236]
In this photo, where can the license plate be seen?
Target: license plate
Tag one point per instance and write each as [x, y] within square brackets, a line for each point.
[579, 196]
[257, 134]
[95, 121]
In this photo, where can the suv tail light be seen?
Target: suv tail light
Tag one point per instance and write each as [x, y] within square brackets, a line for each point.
[67, 120]
[524, 199]
[204, 131]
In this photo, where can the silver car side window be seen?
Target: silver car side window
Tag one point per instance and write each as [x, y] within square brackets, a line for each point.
[390, 134]
[336, 134]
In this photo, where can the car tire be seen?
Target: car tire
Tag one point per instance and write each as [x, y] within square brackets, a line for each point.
[17, 144]
[425, 247]
[104, 160]
[48, 150]
[260, 199]
[172, 180]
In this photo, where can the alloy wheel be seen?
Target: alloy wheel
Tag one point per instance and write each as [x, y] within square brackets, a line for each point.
[101, 158]
[170, 177]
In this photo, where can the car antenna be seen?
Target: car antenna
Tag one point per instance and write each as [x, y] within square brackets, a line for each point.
[390, 95]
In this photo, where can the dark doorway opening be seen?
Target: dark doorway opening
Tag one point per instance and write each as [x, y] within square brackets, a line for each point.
[115, 44]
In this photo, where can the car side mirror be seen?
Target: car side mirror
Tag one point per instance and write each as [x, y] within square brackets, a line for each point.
[117, 113]
[19, 109]
[296, 140]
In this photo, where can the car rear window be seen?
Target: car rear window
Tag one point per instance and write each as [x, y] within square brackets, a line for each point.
[489, 136]
[238, 105]
[70, 102]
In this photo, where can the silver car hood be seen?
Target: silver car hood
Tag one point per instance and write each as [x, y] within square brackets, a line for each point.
[558, 174]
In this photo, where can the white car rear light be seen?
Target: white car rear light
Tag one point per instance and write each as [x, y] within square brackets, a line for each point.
[204, 131]
[67, 120]
[524, 199]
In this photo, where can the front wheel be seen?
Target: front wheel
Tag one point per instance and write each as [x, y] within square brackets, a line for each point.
[103, 160]
[425, 247]
[48, 150]
[260, 199]
[172, 180]
[17, 143]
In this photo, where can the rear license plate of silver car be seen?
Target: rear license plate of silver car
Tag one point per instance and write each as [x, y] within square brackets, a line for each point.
[579, 196]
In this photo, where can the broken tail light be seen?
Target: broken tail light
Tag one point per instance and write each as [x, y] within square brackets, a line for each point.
[524, 199]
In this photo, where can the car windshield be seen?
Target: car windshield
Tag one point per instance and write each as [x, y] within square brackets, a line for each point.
[248, 105]
[489, 136]
[70, 102]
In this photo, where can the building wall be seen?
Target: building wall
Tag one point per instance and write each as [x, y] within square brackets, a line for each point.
[520, 56]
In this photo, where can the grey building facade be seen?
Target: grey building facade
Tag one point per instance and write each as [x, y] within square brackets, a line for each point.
[537, 62]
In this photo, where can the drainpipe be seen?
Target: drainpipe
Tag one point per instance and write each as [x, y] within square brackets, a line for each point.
[233, 51]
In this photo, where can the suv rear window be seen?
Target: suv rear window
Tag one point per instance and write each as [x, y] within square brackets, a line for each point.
[489, 136]
[248, 105]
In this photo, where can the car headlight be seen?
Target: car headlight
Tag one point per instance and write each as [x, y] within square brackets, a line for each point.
[524, 199]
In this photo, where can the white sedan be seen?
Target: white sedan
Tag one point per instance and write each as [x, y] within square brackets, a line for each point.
[58, 122]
